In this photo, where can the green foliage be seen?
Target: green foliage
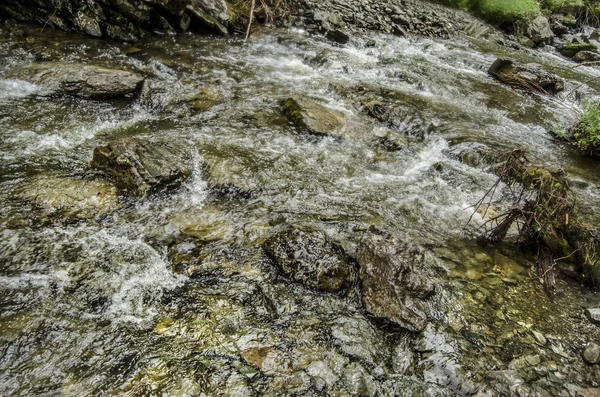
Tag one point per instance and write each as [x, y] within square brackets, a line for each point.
[587, 133]
[508, 11]
[562, 5]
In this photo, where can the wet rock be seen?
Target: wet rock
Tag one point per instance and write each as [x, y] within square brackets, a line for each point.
[591, 353]
[141, 167]
[528, 77]
[308, 257]
[586, 56]
[71, 199]
[593, 315]
[312, 117]
[79, 79]
[338, 36]
[571, 49]
[394, 279]
[539, 31]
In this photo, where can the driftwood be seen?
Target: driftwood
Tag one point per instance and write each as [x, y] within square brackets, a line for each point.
[543, 210]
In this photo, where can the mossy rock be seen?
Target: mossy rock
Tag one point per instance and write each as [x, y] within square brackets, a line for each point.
[311, 117]
[570, 50]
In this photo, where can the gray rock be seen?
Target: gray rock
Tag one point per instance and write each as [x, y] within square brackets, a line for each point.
[122, 19]
[312, 117]
[79, 79]
[528, 77]
[338, 36]
[141, 167]
[308, 257]
[88, 24]
[69, 199]
[539, 31]
[394, 279]
[591, 353]
[593, 315]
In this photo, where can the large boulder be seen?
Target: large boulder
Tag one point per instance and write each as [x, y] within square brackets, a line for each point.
[70, 200]
[308, 257]
[395, 279]
[79, 79]
[528, 77]
[309, 116]
[141, 167]
[539, 31]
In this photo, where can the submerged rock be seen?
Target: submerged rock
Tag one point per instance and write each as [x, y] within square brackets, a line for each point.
[142, 166]
[79, 79]
[308, 257]
[71, 199]
[527, 77]
[312, 117]
[394, 279]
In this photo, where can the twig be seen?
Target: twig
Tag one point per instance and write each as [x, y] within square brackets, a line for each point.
[251, 17]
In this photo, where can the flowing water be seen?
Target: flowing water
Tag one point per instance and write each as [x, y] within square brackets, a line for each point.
[94, 307]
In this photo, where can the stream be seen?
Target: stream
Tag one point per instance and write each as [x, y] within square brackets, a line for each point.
[98, 307]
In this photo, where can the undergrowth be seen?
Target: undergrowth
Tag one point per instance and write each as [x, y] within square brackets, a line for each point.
[586, 135]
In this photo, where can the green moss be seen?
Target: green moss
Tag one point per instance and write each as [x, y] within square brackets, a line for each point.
[573, 48]
[587, 133]
[292, 111]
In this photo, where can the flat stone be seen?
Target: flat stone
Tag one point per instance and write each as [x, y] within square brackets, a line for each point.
[309, 116]
[79, 79]
[71, 199]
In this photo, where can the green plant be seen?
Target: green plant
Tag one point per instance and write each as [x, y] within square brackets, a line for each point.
[508, 11]
[587, 131]
[562, 5]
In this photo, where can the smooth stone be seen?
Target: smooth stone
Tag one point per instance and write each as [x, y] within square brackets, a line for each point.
[79, 79]
[591, 353]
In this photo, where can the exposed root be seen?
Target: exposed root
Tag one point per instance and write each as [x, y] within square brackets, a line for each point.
[543, 212]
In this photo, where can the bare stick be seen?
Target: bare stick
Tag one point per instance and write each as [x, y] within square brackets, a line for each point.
[251, 17]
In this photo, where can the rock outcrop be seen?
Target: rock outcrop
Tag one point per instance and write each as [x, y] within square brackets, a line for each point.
[308, 257]
[395, 279]
[122, 19]
[141, 167]
[79, 79]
